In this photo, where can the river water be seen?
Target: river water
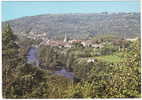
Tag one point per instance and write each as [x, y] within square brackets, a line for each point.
[32, 58]
[65, 73]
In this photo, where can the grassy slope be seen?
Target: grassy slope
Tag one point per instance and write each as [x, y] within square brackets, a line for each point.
[113, 58]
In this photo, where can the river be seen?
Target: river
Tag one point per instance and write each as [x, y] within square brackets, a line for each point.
[32, 58]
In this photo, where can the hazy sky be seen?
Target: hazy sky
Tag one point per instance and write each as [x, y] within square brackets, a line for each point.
[12, 10]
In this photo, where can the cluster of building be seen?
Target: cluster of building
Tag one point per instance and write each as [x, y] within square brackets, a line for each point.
[36, 36]
[70, 43]
[132, 39]
[50, 42]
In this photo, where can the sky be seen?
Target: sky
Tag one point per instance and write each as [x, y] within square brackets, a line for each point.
[15, 9]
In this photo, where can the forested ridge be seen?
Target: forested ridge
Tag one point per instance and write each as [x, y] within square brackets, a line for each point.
[117, 77]
[78, 26]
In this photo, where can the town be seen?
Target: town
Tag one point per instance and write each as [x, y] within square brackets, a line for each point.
[70, 43]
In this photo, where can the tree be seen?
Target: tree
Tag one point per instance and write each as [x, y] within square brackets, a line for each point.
[108, 49]
[9, 57]
[19, 79]
[77, 45]
[122, 80]
[28, 80]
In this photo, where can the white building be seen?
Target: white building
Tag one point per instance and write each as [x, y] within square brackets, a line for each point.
[90, 60]
[132, 39]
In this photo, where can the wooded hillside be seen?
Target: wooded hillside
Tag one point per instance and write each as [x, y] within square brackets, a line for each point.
[79, 25]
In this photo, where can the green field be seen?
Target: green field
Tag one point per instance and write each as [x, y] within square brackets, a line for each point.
[114, 58]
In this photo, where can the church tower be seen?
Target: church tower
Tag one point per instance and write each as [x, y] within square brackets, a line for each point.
[65, 38]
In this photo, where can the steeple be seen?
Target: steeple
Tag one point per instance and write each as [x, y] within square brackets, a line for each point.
[65, 38]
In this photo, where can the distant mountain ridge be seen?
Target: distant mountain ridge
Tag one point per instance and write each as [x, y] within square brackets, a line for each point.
[78, 26]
